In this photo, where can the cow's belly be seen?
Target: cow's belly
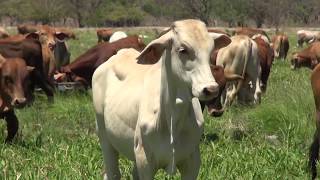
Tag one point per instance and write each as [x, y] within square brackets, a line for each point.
[121, 114]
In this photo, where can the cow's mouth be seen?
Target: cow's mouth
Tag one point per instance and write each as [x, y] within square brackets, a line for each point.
[51, 47]
[215, 112]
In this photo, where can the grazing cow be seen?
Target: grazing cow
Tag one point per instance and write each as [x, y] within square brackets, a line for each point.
[266, 56]
[27, 28]
[82, 68]
[305, 36]
[308, 57]
[314, 148]
[117, 35]
[14, 86]
[280, 45]
[241, 57]
[251, 32]
[214, 105]
[157, 122]
[3, 33]
[30, 50]
[104, 35]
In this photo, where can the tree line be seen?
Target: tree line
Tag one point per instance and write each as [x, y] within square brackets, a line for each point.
[231, 13]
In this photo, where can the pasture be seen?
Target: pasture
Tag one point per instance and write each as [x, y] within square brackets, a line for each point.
[268, 141]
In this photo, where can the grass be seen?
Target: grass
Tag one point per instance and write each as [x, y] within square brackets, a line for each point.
[268, 141]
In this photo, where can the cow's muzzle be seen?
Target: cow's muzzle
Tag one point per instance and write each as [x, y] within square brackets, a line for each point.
[19, 102]
[209, 91]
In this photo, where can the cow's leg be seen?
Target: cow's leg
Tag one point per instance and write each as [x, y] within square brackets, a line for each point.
[189, 168]
[110, 155]
[135, 174]
[144, 165]
[12, 125]
[314, 148]
[257, 91]
[42, 81]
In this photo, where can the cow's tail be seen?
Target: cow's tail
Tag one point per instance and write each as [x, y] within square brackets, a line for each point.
[281, 52]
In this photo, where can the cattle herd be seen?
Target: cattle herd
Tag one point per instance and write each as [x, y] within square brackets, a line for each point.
[149, 99]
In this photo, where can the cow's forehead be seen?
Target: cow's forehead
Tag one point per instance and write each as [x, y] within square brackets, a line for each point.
[193, 32]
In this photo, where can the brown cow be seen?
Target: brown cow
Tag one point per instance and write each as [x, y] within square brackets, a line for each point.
[82, 68]
[104, 34]
[50, 38]
[308, 57]
[27, 28]
[250, 32]
[280, 45]
[14, 84]
[314, 148]
[266, 56]
[30, 50]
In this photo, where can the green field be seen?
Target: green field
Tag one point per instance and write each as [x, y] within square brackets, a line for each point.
[268, 141]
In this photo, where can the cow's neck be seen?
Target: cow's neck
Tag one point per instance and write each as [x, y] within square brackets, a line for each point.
[175, 98]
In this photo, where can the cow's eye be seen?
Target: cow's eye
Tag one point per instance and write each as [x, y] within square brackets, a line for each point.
[183, 50]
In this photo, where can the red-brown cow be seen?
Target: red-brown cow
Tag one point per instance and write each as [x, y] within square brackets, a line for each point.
[30, 50]
[27, 28]
[266, 56]
[314, 148]
[280, 45]
[250, 32]
[308, 57]
[82, 68]
[104, 35]
[14, 86]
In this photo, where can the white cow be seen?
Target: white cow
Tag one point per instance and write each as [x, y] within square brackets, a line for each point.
[150, 112]
[307, 37]
[117, 35]
[241, 57]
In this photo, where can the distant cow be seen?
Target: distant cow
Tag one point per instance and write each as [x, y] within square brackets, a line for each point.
[117, 35]
[241, 57]
[305, 36]
[250, 32]
[266, 56]
[104, 34]
[14, 83]
[53, 44]
[280, 45]
[3, 33]
[210, 30]
[82, 68]
[27, 28]
[314, 148]
[309, 57]
[150, 113]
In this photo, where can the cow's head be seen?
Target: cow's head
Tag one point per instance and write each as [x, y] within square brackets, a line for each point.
[185, 49]
[298, 61]
[14, 82]
[214, 105]
[48, 37]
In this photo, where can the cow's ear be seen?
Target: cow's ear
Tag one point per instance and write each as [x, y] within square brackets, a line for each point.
[30, 68]
[61, 36]
[220, 40]
[152, 53]
[34, 35]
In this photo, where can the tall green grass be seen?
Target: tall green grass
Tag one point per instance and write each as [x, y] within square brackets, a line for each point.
[267, 141]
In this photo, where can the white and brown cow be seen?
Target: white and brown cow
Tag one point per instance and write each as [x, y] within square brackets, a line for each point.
[241, 57]
[157, 122]
[280, 45]
[308, 37]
